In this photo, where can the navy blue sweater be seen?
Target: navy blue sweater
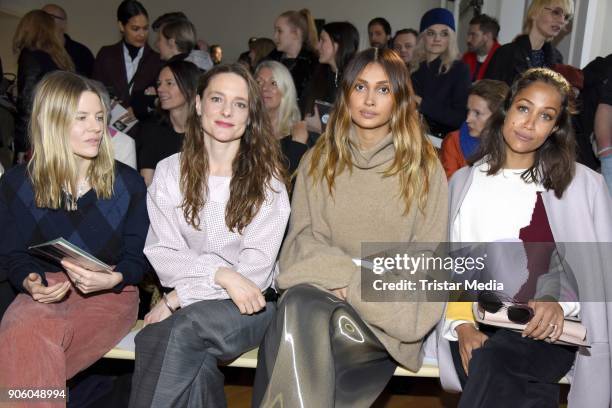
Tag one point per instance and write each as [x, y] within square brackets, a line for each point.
[444, 103]
[112, 230]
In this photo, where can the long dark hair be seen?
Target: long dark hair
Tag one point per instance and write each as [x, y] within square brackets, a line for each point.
[346, 36]
[554, 163]
[258, 159]
[415, 159]
[186, 74]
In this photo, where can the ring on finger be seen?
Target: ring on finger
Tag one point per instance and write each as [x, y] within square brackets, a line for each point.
[77, 282]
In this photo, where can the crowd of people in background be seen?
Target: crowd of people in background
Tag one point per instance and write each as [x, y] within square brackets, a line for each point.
[223, 185]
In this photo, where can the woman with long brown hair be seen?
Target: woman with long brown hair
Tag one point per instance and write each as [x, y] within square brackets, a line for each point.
[523, 185]
[218, 210]
[40, 51]
[373, 176]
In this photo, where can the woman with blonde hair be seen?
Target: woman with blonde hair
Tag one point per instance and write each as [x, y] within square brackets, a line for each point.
[67, 315]
[373, 159]
[40, 50]
[296, 40]
[280, 100]
[544, 21]
[218, 209]
[441, 82]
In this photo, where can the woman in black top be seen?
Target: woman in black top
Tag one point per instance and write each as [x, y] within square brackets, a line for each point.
[162, 137]
[440, 81]
[338, 44]
[545, 20]
[295, 36]
[40, 52]
[278, 93]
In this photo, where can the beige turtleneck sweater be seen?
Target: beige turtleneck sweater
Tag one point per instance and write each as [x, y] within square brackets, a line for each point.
[326, 233]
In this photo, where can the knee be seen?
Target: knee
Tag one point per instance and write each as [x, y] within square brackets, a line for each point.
[297, 296]
[31, 330]
[488, 363]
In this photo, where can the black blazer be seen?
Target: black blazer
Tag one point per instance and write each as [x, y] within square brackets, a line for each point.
[32, 66]
[109, 69]
[81, 56]
[512, 59]
[444, 95]
[301, 68]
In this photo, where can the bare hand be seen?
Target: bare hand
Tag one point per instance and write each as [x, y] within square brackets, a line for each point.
[313, 122]
[299, 133]
[150, 91]
[417, 99]
[159, 312]
[470, 339]
[20, 157]
[88, 281]
[45, 294]
[547, 321]
[128, 117]
[243, 292]
[340, 293]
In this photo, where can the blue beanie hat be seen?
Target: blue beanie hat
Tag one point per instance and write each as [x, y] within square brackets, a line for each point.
[437, 16]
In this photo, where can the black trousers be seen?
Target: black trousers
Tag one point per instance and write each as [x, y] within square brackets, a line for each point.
[512, 371]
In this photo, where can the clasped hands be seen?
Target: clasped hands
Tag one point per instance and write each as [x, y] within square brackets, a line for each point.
[242, 291]
[84, 280]
[547, 322]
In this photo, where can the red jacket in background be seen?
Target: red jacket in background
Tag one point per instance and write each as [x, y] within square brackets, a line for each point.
[470, 59]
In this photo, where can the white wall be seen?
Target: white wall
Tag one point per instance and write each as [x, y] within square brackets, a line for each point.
[228, 22]
[598, 33]
[8, 24]
[232, 22]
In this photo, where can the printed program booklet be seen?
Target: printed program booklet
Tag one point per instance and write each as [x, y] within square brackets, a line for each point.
[60, 248]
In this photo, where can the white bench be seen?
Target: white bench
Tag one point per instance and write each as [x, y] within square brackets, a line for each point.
[249, 360]
[429, 369]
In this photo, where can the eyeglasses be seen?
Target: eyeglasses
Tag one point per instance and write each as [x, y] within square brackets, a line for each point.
[518, 313]
[558, 12]
[60, 18]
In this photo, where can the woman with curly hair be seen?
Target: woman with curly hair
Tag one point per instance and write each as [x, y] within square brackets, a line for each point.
[218, 210]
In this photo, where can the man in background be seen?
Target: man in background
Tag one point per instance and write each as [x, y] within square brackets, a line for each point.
[216, 53]
[482, 44]
[379, 32]
[81, 56]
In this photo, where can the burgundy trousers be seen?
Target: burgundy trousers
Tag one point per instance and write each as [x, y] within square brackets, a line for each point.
[43, 345]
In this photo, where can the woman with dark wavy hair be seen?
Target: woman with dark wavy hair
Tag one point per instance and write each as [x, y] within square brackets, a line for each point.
[373, 176]
[338, 44]
[163, 135]
[524, 185]
[218, 214]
